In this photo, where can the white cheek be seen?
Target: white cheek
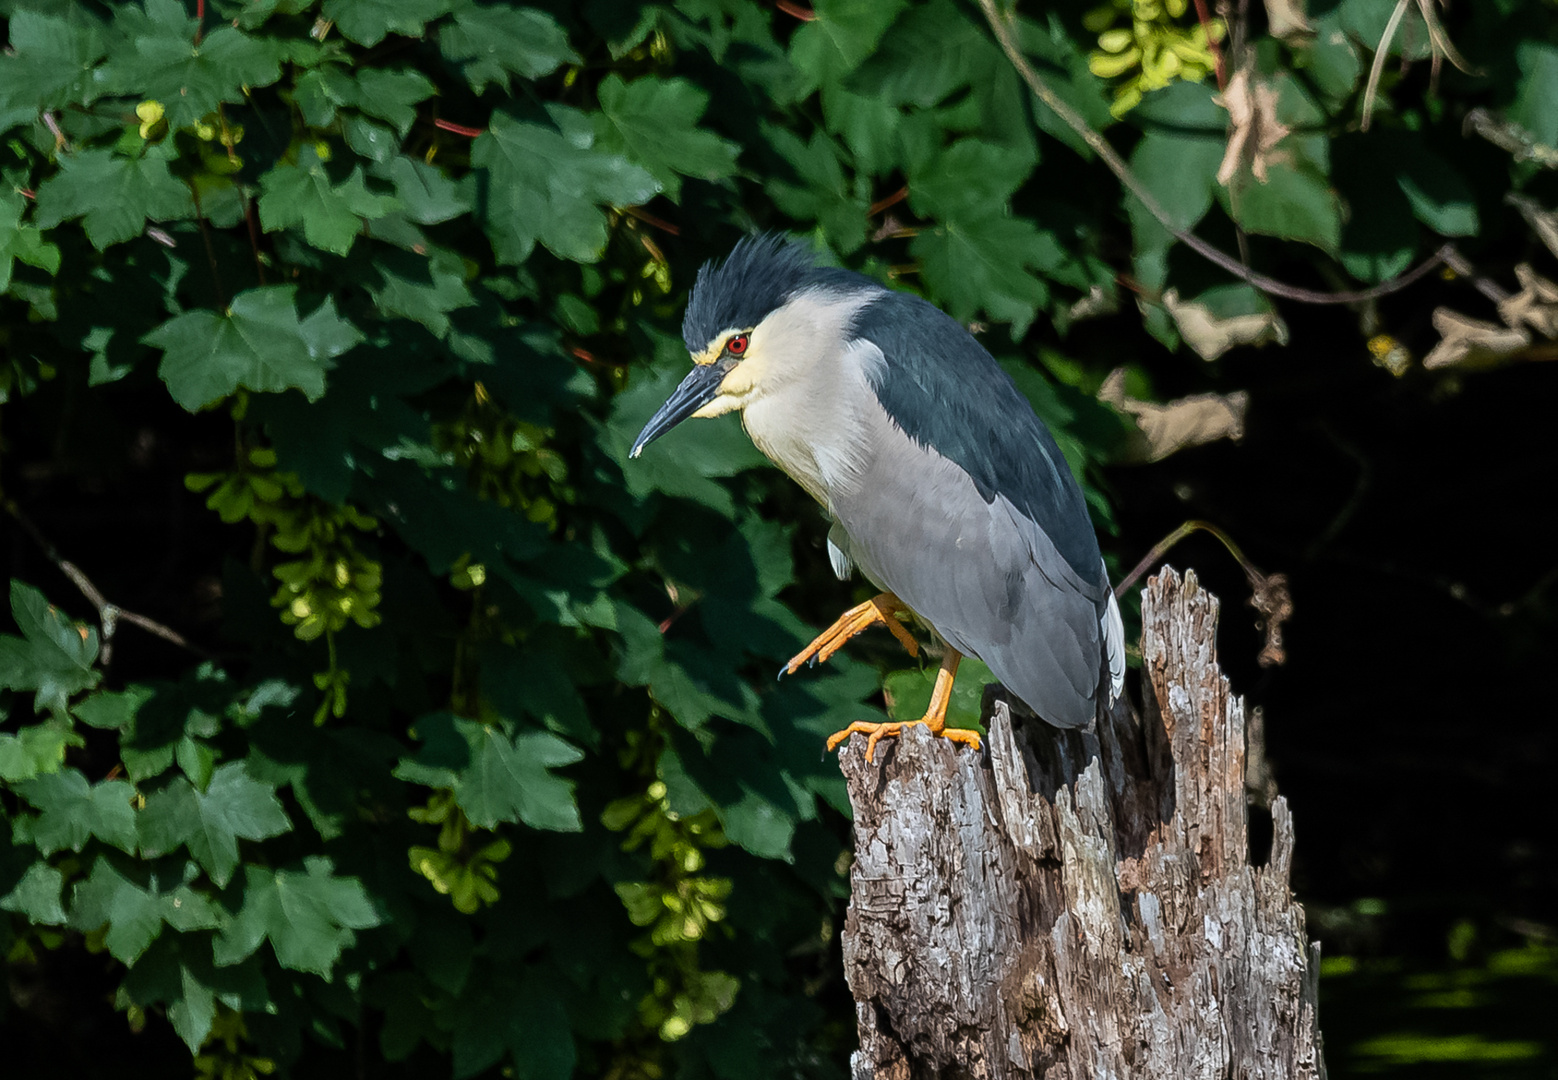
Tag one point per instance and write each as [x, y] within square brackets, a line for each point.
[718, 407]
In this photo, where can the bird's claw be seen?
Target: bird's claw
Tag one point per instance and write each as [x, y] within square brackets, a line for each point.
[876, 732]
[883, 609]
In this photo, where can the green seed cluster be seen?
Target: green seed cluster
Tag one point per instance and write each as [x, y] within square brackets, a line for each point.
[222, 1056]
[507, 460]
[678, 908]
[464, 865]
[332, 582]
[1152, 51]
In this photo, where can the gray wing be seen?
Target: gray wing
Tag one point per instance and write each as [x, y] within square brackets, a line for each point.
[983, 574]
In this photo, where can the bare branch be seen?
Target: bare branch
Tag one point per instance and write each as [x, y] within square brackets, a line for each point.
[109, 614]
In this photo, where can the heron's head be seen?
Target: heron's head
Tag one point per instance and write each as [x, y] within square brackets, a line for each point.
[750, 320]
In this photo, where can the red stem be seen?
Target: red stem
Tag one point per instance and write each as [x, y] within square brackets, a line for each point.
[790, 7]
[458, 129]
[1205, 18]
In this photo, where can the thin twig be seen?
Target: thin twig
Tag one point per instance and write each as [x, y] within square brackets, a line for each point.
[891, 200]
[459, 129]
[1205, 18]
[254, 237]
[1372, 86]
[108, 614]
[1269, 594]
[1117, 165]
[798, 11]
[649, 219]
[1442, 45]
[1162, 548]
[1481, 282]
[205, 234]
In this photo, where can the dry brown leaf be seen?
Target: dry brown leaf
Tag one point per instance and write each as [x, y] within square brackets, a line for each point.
[1211, 335]
[1287, 19]
[1535, 305]
[1466, 342]
[1272, 599]
[1256, 132]
[1189, 421]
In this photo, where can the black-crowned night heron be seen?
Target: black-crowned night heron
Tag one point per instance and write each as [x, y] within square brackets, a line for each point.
[944, 488]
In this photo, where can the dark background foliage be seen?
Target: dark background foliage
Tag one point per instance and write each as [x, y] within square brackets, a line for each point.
[326, 328]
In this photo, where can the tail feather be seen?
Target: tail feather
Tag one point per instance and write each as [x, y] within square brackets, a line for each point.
[1114, 644]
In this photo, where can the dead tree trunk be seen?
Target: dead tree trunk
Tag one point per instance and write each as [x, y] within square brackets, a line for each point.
[1080, 905]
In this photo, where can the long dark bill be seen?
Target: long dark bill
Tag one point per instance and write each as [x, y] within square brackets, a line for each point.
[700, 387]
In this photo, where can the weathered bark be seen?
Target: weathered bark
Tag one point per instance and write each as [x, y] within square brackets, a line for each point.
[1080, 905]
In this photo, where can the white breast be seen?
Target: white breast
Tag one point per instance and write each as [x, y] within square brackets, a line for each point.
[810, 418]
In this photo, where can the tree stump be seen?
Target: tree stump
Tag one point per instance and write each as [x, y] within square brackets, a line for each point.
[1080, 905]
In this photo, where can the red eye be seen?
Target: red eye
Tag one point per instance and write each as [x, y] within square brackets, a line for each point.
[736, 345]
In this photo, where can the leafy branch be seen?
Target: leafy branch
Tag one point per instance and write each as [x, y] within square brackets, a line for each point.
[1002, 23]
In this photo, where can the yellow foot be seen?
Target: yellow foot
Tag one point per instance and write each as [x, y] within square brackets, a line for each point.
[935, 716]
[879, 609]
[877, 732]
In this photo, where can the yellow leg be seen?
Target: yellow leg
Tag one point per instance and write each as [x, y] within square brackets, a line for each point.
[935, 716]
[879, 609]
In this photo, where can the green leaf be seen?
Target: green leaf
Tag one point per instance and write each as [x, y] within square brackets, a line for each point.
[1365, 20]
[51, 60]
[161, 61]
[426, 194]
[759, 826]
[1331, 58]
[393, 95]
[843, 34]
[1439, 196]
[36, 750]
[1180, 169]
[696, 688]
[496, 778]
[368, 22]
[259, 344]
[308, 916]
[1293, 203]
[508, 780]
[54, 655]
[134, 905]
[817, 187]
[548, 185]
[73, 810]
[982, 262]
[331, 214]
[968, 177]
[387, 95]
[494, 42]
[422, 287]
[1535, 107]
[1381, 234]
[177, 971]
[37, 896]
[928, 55]
[22, 243]
[111, 710]
[655, 122]
[235, 806]
[115, 196]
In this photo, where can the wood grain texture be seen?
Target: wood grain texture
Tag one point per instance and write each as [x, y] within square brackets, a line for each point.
[1080, 905]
